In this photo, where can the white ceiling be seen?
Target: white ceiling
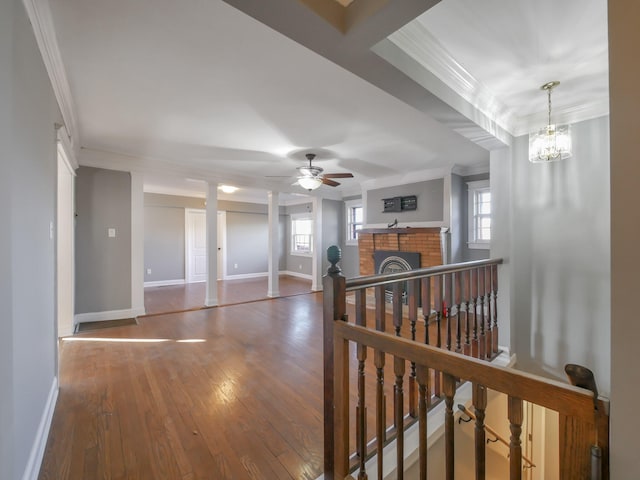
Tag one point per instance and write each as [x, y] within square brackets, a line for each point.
[510, 48]
[207, 88]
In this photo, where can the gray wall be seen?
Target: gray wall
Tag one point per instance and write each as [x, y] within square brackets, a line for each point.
[247, 236]
[469, 254]
[247, 243]
[27, 207]
[103, 264]
[163, 243]
[430, 198]
[560, 255]
[164, 235]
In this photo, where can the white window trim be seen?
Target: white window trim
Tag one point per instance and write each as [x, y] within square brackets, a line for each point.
[348, 205]
[472, 242]
[300, 216]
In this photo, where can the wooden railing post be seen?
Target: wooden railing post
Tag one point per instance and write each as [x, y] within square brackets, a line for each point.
[449, 386]
[334, 308]
[480, 404]
[515, 446]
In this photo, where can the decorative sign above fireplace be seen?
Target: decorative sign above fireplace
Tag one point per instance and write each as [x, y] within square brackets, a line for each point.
[400, 204]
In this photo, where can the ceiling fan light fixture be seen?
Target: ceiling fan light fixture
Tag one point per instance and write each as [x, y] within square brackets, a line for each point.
[309, 183]
[553, 142]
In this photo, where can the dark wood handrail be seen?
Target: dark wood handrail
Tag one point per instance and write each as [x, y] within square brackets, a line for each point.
[542, 391]
[387, 279]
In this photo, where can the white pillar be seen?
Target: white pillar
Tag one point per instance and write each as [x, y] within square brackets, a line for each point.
[273, 289]
[137, 243]
[211, 297]
[316, 266]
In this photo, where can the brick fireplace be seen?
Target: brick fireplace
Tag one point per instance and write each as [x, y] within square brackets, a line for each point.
[425, 241]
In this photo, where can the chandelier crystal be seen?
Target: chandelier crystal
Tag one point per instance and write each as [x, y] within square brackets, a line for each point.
[553, 142]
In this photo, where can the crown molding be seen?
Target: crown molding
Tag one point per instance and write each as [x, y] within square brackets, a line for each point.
[467, 170]
[417, 42]
[39, 14]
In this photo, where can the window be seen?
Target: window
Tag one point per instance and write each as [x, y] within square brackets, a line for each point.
[479, 214]
[355, 218]
[301, 234]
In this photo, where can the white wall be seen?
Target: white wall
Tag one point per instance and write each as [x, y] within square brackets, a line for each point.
[28, 173]
[559, 255]
[501, 226]
[624, 78]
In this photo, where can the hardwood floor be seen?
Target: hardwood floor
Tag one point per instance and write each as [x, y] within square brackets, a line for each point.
[233, 392]
[226, 393]
[191, 296]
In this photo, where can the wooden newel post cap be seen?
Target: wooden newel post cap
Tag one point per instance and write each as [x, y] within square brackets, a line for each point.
[334, 255]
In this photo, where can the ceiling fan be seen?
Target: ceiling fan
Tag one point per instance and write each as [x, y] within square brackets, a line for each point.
[311, 176]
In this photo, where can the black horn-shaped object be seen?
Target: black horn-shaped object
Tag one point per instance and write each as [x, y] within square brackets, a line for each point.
[583, 377]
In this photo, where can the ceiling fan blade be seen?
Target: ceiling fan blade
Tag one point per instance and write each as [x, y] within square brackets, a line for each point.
[338, 175]
[329, 182]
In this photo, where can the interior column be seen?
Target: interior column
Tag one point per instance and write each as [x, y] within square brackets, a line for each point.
[137, 243]
[211, 297]
[316, 267]
[273, 289]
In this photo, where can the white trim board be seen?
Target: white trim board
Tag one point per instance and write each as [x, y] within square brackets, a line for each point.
[243, 276]
[164, 283]
[108, 315]
[39, 14]
[304, 276]
[32, 469]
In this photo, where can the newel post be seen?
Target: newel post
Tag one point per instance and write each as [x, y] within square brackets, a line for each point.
[334, 308]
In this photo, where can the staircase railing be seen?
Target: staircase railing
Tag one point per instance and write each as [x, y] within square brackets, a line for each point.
[443, 324]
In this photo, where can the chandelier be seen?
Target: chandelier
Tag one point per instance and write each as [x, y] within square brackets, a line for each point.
[552, 142]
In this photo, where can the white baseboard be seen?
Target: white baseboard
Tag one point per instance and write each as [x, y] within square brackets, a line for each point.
[164, 283]
[37, 450]
[244, 276]
[305, 276]
[266, 274]
[108, 315]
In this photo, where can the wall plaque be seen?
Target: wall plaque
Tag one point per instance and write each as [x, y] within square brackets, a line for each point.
[400, 204]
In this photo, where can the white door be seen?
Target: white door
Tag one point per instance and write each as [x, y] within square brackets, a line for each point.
[195, 245]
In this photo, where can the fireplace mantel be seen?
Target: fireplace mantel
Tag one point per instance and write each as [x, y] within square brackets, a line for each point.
[403, 230]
